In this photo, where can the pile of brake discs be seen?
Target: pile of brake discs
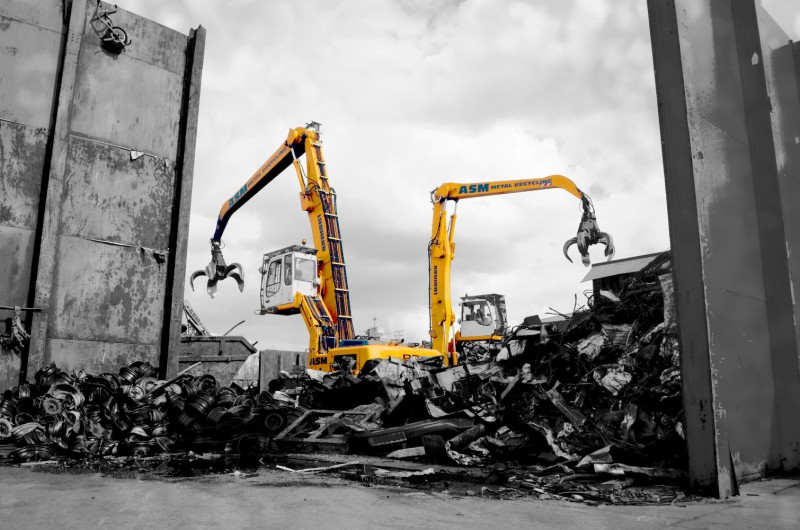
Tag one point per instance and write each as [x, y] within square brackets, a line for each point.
[132, 413]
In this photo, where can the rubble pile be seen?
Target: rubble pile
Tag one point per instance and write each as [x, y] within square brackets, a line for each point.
[588, 406]
[599, 393]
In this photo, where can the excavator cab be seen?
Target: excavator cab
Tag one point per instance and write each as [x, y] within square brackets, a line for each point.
[284, 274]
[483, 317]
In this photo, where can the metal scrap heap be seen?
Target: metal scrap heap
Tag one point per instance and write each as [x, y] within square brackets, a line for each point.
[595, 396]
[131, 413]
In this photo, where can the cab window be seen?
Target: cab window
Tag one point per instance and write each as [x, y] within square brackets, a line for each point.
[274, 277]
[287, 264]
[478, 312]
[304, 269]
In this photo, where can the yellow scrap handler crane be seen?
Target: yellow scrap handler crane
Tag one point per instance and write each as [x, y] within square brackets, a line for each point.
[441, 251]
[298, 279]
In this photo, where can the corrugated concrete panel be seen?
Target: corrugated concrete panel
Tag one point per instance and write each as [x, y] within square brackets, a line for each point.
[728, 106]
[93, 206]
[29, 60]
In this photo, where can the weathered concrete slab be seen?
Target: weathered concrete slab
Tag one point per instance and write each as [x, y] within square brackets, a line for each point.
[17, 252]
[782, 69]
[127, 102]
[108, 196]
[729, 103]
[73, 119]
[98, 356]
[47, 14]
[22, 158]
[106, 292]
[28, 64]
[150, 42]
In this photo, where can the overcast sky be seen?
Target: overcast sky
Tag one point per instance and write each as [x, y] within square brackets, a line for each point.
[411, 94]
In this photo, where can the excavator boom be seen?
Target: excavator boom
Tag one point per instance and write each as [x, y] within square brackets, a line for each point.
[331, 304]
[441, 249]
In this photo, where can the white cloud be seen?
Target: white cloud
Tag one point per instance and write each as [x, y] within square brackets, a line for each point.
[413, 94]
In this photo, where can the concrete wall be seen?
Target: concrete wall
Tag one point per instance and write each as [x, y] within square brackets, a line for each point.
[30, 41]
[728, 108]
[96, 153]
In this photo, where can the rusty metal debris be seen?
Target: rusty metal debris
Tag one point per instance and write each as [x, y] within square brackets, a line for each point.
[129, 413]
[567, 411]
[582, 410]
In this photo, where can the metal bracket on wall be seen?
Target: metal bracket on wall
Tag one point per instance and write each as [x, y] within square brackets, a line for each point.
[113, 38]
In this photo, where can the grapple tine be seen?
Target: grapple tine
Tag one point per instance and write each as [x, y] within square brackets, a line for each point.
[589, 234]
[195, 275]
[608, 241]
[218, 270]
[239, 280]
[568, 244]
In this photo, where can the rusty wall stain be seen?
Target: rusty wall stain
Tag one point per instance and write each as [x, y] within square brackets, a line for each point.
[22, 151]
[107, 293]
[97, 357]
[28, 63]
[9, 367]
[127, 102]
[15, 259]
[111, 197]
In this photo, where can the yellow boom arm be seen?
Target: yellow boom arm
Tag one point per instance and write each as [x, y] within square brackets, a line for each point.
[319, 200]
[441, 249]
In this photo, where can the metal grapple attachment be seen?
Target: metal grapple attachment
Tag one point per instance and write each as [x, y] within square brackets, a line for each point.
[589, 234]
[218, 270]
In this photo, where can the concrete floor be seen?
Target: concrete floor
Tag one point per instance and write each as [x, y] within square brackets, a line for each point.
[31, 499]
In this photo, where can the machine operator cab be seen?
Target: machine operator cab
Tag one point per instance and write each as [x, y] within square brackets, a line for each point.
[483, 317]
[285, 273]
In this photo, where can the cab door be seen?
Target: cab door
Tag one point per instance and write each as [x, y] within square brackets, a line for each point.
[276, 284]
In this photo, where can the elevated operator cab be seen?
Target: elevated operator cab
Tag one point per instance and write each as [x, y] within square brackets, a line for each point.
[285, 273]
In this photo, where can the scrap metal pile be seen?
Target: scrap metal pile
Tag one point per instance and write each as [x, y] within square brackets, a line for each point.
[596, 396]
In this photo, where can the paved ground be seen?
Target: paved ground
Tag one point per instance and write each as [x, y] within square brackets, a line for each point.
[30, 499]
